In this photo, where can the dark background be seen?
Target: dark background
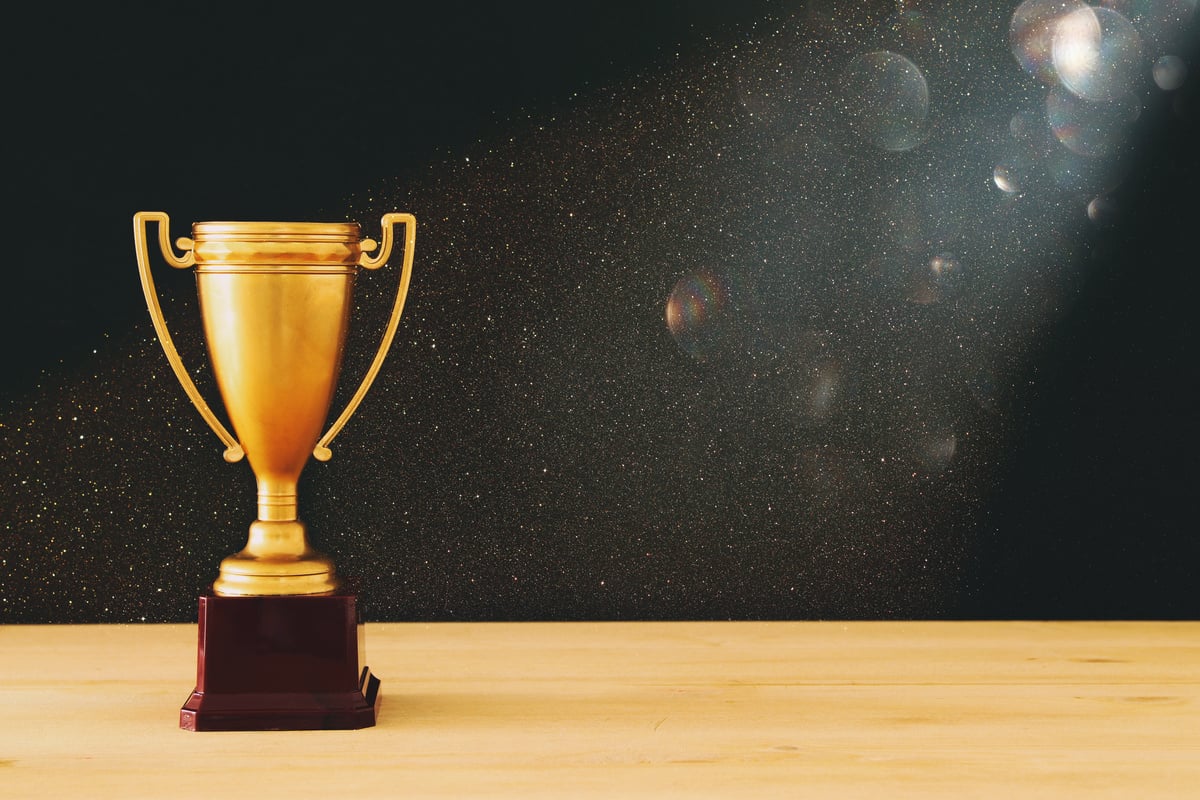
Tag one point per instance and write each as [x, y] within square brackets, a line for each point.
[116, 505]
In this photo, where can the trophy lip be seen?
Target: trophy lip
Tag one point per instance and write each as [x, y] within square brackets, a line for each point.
[224, 230]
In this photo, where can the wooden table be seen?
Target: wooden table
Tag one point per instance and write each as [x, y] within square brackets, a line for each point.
[724, 709]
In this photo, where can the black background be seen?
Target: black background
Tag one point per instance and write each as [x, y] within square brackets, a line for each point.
[281, 112]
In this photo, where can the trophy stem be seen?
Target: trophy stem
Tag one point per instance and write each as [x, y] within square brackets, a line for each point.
[277, 558]
[276, 500]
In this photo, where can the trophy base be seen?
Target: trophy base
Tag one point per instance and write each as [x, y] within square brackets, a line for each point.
[280, 663]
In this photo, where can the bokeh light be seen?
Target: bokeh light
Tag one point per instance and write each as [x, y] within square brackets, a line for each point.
[1015, 169]
[937, 280]
[820, 392]
[1005, 180]
[886, 100]
[1097, 53]
[1169, 73]
[1024, 124]
[1031, 35]
[700, 314]
[936, 450]
[1102, 210]
[1091, 128]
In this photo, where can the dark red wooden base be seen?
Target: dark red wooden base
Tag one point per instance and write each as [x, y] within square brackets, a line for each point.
[280, 663]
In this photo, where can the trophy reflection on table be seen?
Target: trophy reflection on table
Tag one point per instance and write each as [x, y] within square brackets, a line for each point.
[279, 635]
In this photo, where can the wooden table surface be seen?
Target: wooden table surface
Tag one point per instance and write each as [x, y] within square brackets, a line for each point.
[719, 709]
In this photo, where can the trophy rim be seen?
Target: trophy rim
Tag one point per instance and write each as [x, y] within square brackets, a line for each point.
[292, 231]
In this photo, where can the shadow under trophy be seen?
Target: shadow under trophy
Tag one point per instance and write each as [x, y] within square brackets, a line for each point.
[280, 644]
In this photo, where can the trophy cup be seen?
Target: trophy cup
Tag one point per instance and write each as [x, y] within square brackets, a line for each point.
[280, 643]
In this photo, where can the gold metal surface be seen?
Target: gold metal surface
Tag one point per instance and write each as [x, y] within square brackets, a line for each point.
[321, 451]
[233, 450]
[275, 301]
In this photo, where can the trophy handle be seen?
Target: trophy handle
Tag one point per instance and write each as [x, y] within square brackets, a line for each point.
[233, 450]
[321, 452]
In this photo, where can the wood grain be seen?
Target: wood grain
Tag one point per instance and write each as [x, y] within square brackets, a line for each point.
[724, 709]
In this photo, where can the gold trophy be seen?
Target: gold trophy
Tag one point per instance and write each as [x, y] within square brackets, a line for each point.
[279, 645]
